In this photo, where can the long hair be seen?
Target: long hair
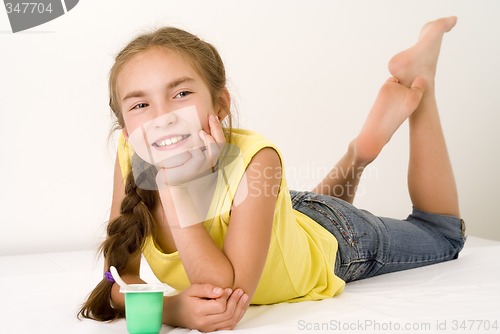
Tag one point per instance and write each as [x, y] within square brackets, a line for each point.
[126, 235]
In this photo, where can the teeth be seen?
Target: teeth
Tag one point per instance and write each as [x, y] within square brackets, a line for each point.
[169, 141]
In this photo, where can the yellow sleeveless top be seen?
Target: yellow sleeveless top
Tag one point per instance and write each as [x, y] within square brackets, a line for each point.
[301, 256]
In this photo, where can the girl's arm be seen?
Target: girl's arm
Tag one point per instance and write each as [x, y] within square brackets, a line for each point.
[241, 261]
[247, 241]
[204, 307]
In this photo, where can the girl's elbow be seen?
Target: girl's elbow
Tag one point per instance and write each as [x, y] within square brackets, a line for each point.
[226, 279]
[221, 278]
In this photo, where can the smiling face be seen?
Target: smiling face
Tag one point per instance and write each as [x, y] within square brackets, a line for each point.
[165, 103]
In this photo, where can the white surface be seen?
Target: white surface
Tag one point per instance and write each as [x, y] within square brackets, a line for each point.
[41, 294]
[317, 64]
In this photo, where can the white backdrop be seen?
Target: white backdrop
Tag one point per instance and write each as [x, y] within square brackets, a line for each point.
[303, 73]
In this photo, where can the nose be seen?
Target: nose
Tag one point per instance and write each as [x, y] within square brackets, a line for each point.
[163, 119]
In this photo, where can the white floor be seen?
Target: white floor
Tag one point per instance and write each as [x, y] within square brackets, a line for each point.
[42, 293]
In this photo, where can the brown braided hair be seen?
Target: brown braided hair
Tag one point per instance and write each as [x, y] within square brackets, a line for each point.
[125, 238]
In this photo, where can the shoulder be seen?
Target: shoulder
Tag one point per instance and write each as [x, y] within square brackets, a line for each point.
[253, 159]
[251, 143]
[263, 164]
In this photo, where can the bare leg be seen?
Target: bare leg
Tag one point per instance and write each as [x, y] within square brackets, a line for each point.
[431, 183]
[342, 181]
[430, 178]
[392, 107]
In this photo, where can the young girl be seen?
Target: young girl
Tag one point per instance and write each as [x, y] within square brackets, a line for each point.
[208, 205]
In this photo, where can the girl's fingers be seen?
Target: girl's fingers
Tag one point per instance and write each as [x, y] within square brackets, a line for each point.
[197, 154]
[241, 308]
[208, 291]
[161, 178]
[235, 309]
[207, 139]
[213, 149]
[216, 130]
[233, 301]
[216, 306]
[210, 299]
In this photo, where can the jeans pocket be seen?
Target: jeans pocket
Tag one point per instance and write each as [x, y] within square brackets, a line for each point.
[330, 218]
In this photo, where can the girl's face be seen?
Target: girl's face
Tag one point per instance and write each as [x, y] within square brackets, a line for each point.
[165, 104]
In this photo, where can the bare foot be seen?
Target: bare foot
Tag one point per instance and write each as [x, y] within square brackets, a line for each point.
[421, 59]
[394, 104]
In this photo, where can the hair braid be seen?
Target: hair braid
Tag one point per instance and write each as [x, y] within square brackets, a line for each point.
[125, 238]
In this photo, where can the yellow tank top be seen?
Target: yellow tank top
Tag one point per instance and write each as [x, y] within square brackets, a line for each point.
[301, 256]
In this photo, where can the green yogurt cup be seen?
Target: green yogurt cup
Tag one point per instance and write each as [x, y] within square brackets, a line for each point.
[143, 308]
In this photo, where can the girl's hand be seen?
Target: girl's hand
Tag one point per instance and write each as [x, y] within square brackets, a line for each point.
[207, 308]
[199, 161]
[215, 140]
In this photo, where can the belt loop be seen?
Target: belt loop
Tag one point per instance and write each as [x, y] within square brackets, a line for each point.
[463, 227]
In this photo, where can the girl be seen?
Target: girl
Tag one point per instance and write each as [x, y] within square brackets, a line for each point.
[209, 207]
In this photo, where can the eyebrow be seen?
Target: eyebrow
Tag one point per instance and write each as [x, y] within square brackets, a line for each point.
[171, 85]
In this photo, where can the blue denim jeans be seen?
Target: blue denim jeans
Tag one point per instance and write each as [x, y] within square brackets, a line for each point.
[371, 245]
